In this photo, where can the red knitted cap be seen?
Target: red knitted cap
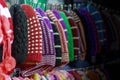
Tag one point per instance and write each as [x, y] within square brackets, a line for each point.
[34, 35]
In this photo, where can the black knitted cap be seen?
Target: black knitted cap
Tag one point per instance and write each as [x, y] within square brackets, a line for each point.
[20, 43]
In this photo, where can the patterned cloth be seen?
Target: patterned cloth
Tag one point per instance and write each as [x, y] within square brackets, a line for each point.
[65, 56]
[34, 35]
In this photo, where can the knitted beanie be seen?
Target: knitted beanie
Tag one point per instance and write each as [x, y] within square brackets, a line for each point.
[48, 55]
[60, 19]
[20, 43]
[56, 38]
[57, 44]
[34, 35]
[75, 33]
[91, 32]
[87, 35]
[48, 26]
[70, 37]
[65, 57]
[82, 35]
[98, 20]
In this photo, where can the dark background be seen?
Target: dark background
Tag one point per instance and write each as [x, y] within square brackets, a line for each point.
[114, 5]
[110, 4]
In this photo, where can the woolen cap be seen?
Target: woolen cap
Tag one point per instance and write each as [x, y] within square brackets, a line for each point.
[34, 35]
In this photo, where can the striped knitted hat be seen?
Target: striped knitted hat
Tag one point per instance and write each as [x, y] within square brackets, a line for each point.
[82, 34]
[54, 36]
[34, 35]
[20, 43]
[48, 56]
[90, 28]
[60, 19]
[57, 44]
[65, 57]
[75, 33]
[70, 37]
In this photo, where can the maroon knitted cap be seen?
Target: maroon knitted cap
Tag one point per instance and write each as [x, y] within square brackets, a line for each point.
[34, 35]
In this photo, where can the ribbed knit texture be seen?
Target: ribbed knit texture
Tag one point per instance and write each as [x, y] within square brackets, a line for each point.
[60, 19]
[20, 43]
[34, 35]
[57, 44]
[49, 27]
[48, 55]
[97, 17]
[70, 37]
[65, 56]
[75, 34]
[92, 47]
[82, 35]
